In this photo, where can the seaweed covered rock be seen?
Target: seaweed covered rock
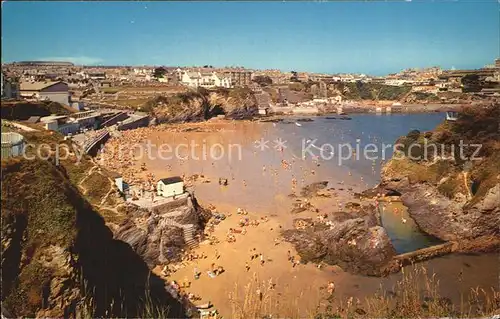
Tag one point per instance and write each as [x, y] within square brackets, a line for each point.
[352, 240]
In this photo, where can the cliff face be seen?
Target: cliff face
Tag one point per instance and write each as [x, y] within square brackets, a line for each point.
[455, 193]
[203, 104]
[59, 258]
[352, 239]
[160, 235]
[23, 110]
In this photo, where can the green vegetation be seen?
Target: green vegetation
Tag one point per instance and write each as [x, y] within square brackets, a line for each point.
[372, 91]
[296, 86]
[23, 110]
[131, 103]
[450, 187]
[430, 97]
[34, 192]
[262, 80]
[51, 219]
[159, 72]
[475, 126]
[96, 186]
[110, 90]
[415, 295]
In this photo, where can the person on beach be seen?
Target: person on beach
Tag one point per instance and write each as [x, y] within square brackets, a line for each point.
[259, 294]
[262, 261]
[289, 255]
[331, 288]
[247, 266]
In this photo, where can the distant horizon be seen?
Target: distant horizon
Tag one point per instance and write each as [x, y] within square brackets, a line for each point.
[373, 38]
[217, 67]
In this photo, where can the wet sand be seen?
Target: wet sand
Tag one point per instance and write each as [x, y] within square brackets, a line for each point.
[260, 182]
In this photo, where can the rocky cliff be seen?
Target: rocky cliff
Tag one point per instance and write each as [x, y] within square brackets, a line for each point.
[452, 193]
[203, 104]
[352, 239]
[160, 235]
[59, 258]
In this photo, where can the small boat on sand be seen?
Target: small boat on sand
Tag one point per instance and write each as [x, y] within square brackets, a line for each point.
[331, 118]
[298, 124]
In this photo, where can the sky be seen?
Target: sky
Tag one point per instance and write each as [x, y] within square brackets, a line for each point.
[327, 37]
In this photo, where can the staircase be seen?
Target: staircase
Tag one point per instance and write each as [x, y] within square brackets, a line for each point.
[188, 230]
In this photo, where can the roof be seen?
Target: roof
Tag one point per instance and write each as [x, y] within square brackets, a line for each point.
[33, 119]
[37, 86]
[50, 118]
[193, 75]
[171, 180]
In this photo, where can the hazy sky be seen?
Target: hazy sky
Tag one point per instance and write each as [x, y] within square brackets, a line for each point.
[364, 37]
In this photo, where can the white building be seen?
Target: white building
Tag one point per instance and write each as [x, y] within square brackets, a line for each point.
[397, 82]
[169, 187]
[61, 124]
[53, 91]
[205, 79]
[12, 144]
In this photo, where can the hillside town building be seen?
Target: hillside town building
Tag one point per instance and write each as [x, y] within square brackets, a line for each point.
[46, 91]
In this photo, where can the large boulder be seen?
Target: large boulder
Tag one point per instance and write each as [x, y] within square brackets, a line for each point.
[158, 236]
[352, 240]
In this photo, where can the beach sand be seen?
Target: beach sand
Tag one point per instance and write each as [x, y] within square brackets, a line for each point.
[260, 182]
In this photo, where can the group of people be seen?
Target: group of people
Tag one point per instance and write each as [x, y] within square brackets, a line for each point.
[292, 259]
[254, 255]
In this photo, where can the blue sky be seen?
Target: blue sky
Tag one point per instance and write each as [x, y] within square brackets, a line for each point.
[363, 37]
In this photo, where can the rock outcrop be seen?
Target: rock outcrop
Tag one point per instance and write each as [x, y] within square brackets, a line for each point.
[203, 104]
[160, 235]
[353, 240]
[451, 197]
[58, 257]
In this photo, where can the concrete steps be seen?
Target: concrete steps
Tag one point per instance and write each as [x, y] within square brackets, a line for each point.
[189, 232]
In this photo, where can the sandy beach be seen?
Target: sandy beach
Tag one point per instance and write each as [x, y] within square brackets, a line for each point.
[260, 182]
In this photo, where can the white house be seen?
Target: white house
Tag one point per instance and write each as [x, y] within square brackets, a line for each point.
[397, 82]
[53, 91]
[222, 80]
[171, 186]
[192, 79]
[205, 79]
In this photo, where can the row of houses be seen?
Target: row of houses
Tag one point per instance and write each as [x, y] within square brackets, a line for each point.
[205, 79]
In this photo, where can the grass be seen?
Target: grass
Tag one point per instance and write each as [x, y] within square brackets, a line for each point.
[23, 110]
[37, 189]
[415, 295]
[97, 187]
[131, 103]
[34, 191]
[111, 217]
[268, 304]
[110, 90]
[419, 173]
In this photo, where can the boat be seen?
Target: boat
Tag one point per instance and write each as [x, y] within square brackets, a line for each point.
[330, 117]
[298, 124]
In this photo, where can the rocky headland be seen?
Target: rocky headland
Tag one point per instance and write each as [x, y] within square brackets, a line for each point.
[72, 247]
[454, 198]
[453, 194]
[202, 104]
